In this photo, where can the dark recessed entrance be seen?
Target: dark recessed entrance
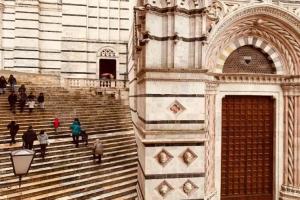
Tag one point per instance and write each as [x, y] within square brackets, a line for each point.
[107, 68]
[247, 148]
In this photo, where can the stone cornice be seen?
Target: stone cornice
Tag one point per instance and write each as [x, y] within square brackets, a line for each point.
[249, 78]
[172, 74]
[170, 70]
[174, 9]
[176, 37]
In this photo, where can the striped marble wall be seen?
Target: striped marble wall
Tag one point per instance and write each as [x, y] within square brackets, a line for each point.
[66, 37]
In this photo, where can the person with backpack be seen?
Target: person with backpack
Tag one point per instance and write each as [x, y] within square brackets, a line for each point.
[43, 139]
[13, 128]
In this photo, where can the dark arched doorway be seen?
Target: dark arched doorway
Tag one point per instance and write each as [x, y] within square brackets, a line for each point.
[107, 68]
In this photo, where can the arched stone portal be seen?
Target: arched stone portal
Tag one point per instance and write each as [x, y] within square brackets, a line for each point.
[275, 34]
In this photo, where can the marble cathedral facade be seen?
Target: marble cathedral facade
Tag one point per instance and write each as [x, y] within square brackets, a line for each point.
[65, 37]
[215, 99]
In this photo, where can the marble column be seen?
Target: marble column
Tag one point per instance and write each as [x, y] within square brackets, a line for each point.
[290, 189]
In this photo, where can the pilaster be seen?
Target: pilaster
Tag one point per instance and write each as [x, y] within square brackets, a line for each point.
[290, 189]
[210, 100]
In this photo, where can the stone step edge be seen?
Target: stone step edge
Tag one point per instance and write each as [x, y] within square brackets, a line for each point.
[108, 152]
[102, 189]
[60, 161]
[55, 173]
[60, 144]
[114, 168]
[94, 136]
[70, 183]
[105, 195]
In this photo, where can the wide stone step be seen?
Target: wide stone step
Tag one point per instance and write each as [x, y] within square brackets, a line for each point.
[88, 167]
[106, 129]
[62, 142]
[38, 183]
[59, 165]
[87, 125]
[78, 186]
[70, 152]
[128, 193]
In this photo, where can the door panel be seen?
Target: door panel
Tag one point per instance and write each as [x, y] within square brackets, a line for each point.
[247, 148]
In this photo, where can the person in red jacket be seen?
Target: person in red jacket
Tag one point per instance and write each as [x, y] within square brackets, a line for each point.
[56, 124]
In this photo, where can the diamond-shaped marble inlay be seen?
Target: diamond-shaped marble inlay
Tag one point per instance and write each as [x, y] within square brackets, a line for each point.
[189, 187]
[163, 157]
[176, 107]
[164, 188]
[188, 156]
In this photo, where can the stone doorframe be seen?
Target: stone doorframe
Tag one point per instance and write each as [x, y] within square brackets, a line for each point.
[257, 90]
[107, 52]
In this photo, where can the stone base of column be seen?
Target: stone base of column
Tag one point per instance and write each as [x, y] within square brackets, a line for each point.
[289, 193]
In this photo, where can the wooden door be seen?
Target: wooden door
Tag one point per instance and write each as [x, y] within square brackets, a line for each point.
[247, 148]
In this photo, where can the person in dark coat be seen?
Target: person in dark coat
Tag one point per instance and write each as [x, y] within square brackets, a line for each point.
[3, 84]
[12, 99]
[22, 101]
[75, 127]
[41, 100]
[22, 89]
[12, 82]
[84, 136]
[13, 128]
[29, 137]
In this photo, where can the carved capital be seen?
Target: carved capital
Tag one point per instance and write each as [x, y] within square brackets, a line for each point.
[291, 89]
[211, 87]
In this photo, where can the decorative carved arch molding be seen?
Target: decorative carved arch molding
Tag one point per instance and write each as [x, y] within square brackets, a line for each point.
[273, 27]
[107, 52]
[253, 41]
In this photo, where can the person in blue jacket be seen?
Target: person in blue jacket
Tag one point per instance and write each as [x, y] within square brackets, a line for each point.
[76, 129]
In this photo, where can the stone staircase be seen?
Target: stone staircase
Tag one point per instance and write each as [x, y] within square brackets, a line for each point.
[68, 172]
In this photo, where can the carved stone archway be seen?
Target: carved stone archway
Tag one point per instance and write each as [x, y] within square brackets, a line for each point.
[277, 33]
[271, 24]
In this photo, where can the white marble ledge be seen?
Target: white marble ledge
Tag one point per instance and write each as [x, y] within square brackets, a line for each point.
[171, 136]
